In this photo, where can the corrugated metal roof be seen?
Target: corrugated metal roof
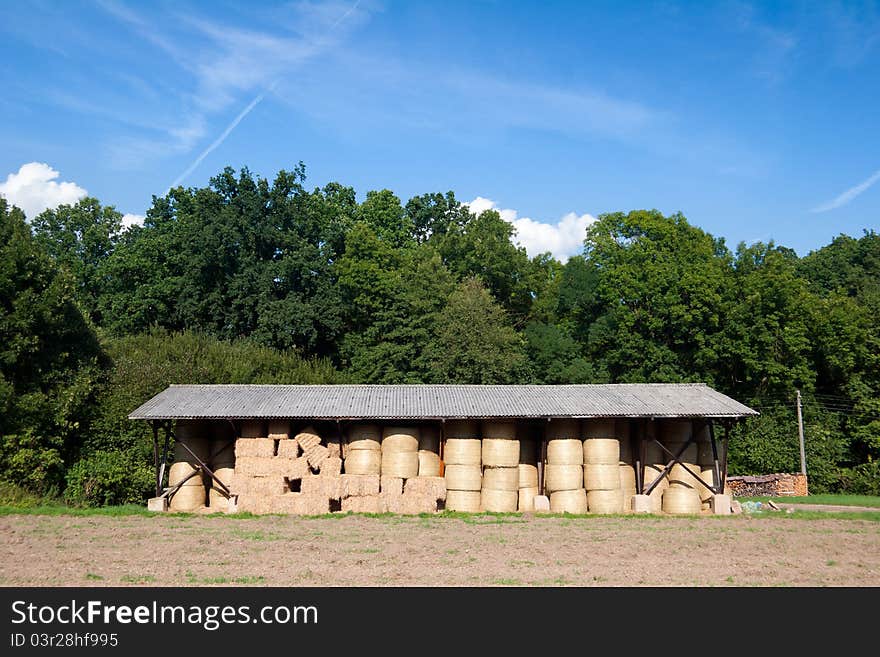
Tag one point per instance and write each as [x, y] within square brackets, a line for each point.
[439, 401]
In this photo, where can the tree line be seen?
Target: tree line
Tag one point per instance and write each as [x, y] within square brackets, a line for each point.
[249, 280]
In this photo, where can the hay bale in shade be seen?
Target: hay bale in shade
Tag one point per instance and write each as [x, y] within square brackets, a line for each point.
[602, 476]
[400, 464]
[498, 429]
[563, 477]
[501, 478]
[500, 452]
[188, 498]
[689, 455]
[705, 455]
[199, 446]
[528, 475]
[429, 438]
[528, 452]
[362, 504]
[499, 501]
[400, 439]
[605, 501]
[364, 437]
[359, 485]
[308, 438]
[462, 451]
[288, 449]
[563, 429]
[627, 476]
[466, 501]
[675, 431]
[180, 470]
[569, 501]
[222, 453]
[463, 477]
[429, 464]
[526, 501]
[430, 487]
[461, 429]
[363, 462]
[264, 447]
[254, 429]
[655, 454]
[681, 500]
[598, 427]
[279, 429]
[601, 451]
[391, 485]
[565, 451]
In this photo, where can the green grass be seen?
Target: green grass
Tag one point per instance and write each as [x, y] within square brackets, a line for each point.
[93, 576]
[872, 501]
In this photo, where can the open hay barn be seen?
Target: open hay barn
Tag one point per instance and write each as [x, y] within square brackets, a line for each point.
[314, 449]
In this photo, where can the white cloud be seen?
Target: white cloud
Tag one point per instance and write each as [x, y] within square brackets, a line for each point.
[129, 220]
[849, 194]
[563, 239]
[34, 188]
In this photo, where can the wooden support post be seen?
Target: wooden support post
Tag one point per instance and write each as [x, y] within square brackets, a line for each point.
[637, 449]
[716, 468]
[168, 433]
[156, 458]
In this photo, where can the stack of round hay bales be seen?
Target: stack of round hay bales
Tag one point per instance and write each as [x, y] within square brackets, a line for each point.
[400, 452]
[500, 460]
[627, 470]
[222, 464]
[682, 496]
[564, 472]
[363, 450]
[652, 473]
[528, 469]
[195, 435]
[601, 453]
[462, 459]
[429, 451]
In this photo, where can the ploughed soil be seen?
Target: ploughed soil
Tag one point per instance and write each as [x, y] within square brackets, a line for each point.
[169, 550]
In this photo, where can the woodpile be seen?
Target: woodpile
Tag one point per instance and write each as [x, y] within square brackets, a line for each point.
[781, 484]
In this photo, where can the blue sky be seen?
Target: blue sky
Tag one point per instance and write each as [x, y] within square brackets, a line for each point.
[758, 121]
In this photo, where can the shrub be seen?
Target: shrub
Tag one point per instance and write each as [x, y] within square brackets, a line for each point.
[106, 478]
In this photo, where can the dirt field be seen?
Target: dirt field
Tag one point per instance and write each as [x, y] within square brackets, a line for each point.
[408, 551]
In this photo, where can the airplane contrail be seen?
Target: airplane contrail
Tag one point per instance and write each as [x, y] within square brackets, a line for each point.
[848, 195]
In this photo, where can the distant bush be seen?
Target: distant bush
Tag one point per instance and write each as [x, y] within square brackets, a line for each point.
[108, 478]
[863, 479]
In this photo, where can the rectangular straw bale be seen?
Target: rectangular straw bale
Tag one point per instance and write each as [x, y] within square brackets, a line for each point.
[254, 447]
[255, 466]
[433, 487]
[310, 505]
[286, 503]
[362, 504]
[332, 465]
[392, 485]
[272, 485]
[334, 447]
[307, 438]
[390, 503]
[413, 503]
[323, 485]
[288, 449]
[359, 485]
[316, 455]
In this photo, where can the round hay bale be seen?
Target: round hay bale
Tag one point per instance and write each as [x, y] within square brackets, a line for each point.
[279, 429]
[217, 501]
[192, 429]
[605, 501]
[628, 495]
[400, 464]
[528, 475]
[680, 500]
[180, 470]
[217, 496]
[707, 475]
[461, 429]
[652, 473]
[400, 439]
[465, 501]
[188, 498]
[254, 429]
[656, 499]
[199, 445]
[565, 451]
[501, 478]
[675, 431]
[528, 451]
[463, 477]
[499, 501]
[526, 501]
[563, 477]
[429, 438]
[363, 462]
[599, 427]
[502, 429]
[364, 437]
[569, 501]
[689, 455]
[563, 428]
[705, 506]
[602, 451]
[627, 476]
[500, 452]
[602, 476]
[429, 464]
[462, 451]
[679, 476]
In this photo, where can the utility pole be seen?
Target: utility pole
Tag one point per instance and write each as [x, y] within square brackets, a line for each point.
[801, 433]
